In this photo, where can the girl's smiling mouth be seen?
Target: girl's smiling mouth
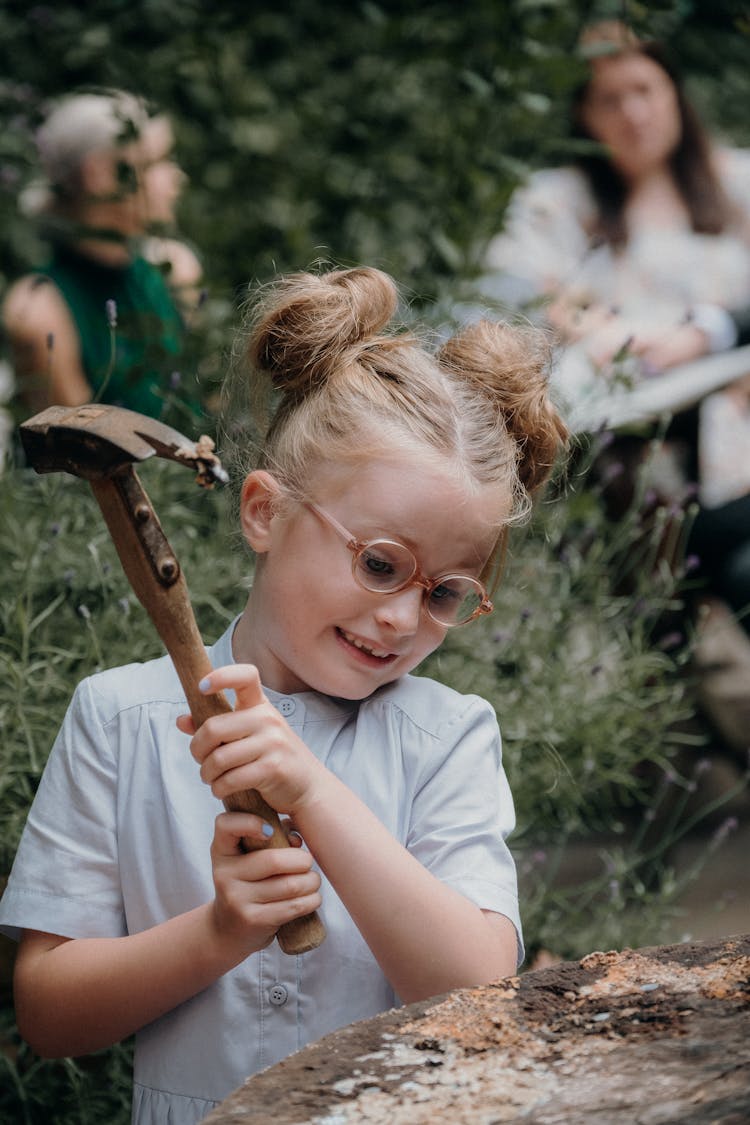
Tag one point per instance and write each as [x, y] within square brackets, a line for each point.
[382, 656]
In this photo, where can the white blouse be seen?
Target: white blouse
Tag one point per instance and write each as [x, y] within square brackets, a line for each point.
[118, 839]
[546, 245]
[546, 249]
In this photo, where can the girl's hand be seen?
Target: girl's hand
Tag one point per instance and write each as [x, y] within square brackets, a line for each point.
[253, 747]
[259, 891]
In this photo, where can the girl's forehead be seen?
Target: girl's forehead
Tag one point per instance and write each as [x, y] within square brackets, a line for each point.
[398, 488]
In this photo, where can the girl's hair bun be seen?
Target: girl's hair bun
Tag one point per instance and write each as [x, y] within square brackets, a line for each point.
[511, 363]
[309, 325]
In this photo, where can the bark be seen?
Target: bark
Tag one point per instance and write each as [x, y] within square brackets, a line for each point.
[639, 1037]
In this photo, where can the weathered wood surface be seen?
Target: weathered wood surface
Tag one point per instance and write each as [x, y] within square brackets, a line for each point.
[640, 1037]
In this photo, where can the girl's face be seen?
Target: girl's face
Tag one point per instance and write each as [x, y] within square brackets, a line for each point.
[308, 624]
[631, 107]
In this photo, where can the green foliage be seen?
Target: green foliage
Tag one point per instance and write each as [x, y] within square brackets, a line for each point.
[383, 132]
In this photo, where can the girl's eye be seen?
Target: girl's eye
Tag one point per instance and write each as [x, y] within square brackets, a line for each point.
[376, 565]
[384, 566]
[445, 593]
[378, 568]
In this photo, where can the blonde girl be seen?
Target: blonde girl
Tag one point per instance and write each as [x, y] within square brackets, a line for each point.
[377, 508]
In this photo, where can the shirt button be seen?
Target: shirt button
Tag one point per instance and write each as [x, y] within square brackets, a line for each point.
[278, 994]
[287, 706]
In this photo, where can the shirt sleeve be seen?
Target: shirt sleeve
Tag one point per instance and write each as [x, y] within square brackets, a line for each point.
[463, 811]
[65, 878]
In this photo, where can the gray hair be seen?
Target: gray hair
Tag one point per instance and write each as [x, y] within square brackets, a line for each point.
[75, 126]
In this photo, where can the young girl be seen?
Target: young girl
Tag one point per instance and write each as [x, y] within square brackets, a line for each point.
[377, 509]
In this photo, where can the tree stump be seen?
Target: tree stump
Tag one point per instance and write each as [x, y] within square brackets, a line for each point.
[644, 1036]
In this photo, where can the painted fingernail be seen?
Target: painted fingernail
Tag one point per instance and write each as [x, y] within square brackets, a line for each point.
[267, 830]
[205, 684]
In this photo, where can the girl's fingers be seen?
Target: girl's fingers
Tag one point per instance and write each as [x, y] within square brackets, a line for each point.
[283, 888]
[241, 678]
[185, 724]
[291, 833]
[231, 827]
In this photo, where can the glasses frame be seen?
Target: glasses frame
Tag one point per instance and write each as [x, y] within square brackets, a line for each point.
[359, 546]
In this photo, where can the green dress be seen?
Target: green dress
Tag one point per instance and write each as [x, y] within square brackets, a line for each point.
[148, 334]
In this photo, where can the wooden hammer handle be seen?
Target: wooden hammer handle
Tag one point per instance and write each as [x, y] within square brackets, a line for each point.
[170, 609]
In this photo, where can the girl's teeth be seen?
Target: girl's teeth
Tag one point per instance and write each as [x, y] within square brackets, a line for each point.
[358, 644]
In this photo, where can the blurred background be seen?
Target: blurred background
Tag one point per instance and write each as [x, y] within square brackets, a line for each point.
[390, 133]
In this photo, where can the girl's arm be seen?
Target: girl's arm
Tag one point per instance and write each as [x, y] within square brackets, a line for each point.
[74, 996]
[426, 937]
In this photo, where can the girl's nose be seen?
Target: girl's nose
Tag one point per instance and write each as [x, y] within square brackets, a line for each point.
[401, 611]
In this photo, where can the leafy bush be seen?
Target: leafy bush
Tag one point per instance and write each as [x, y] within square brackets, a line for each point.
[379, 131]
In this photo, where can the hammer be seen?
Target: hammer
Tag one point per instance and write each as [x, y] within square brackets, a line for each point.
[101, 443]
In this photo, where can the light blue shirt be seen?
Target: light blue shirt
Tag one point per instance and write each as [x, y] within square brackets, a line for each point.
[118, 838]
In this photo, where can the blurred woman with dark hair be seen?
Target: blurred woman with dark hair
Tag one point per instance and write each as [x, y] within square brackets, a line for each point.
[643, 245]
[638, 256]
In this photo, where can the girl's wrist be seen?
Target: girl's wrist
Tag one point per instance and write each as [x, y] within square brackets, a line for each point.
[220, 949]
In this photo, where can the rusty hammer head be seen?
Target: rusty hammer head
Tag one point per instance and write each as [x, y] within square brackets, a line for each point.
[95, 441]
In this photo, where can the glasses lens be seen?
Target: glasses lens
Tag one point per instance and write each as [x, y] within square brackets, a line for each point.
[455, 600]
[383, 566]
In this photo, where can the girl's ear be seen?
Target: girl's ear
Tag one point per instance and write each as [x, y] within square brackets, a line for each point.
[260, 494]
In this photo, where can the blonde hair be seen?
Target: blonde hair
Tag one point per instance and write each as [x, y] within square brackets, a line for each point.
[345, 384]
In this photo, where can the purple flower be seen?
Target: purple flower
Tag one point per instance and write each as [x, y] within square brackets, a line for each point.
[9, 176]
[725, 829]
[613, 471]
[111, 307]
[671, 640]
